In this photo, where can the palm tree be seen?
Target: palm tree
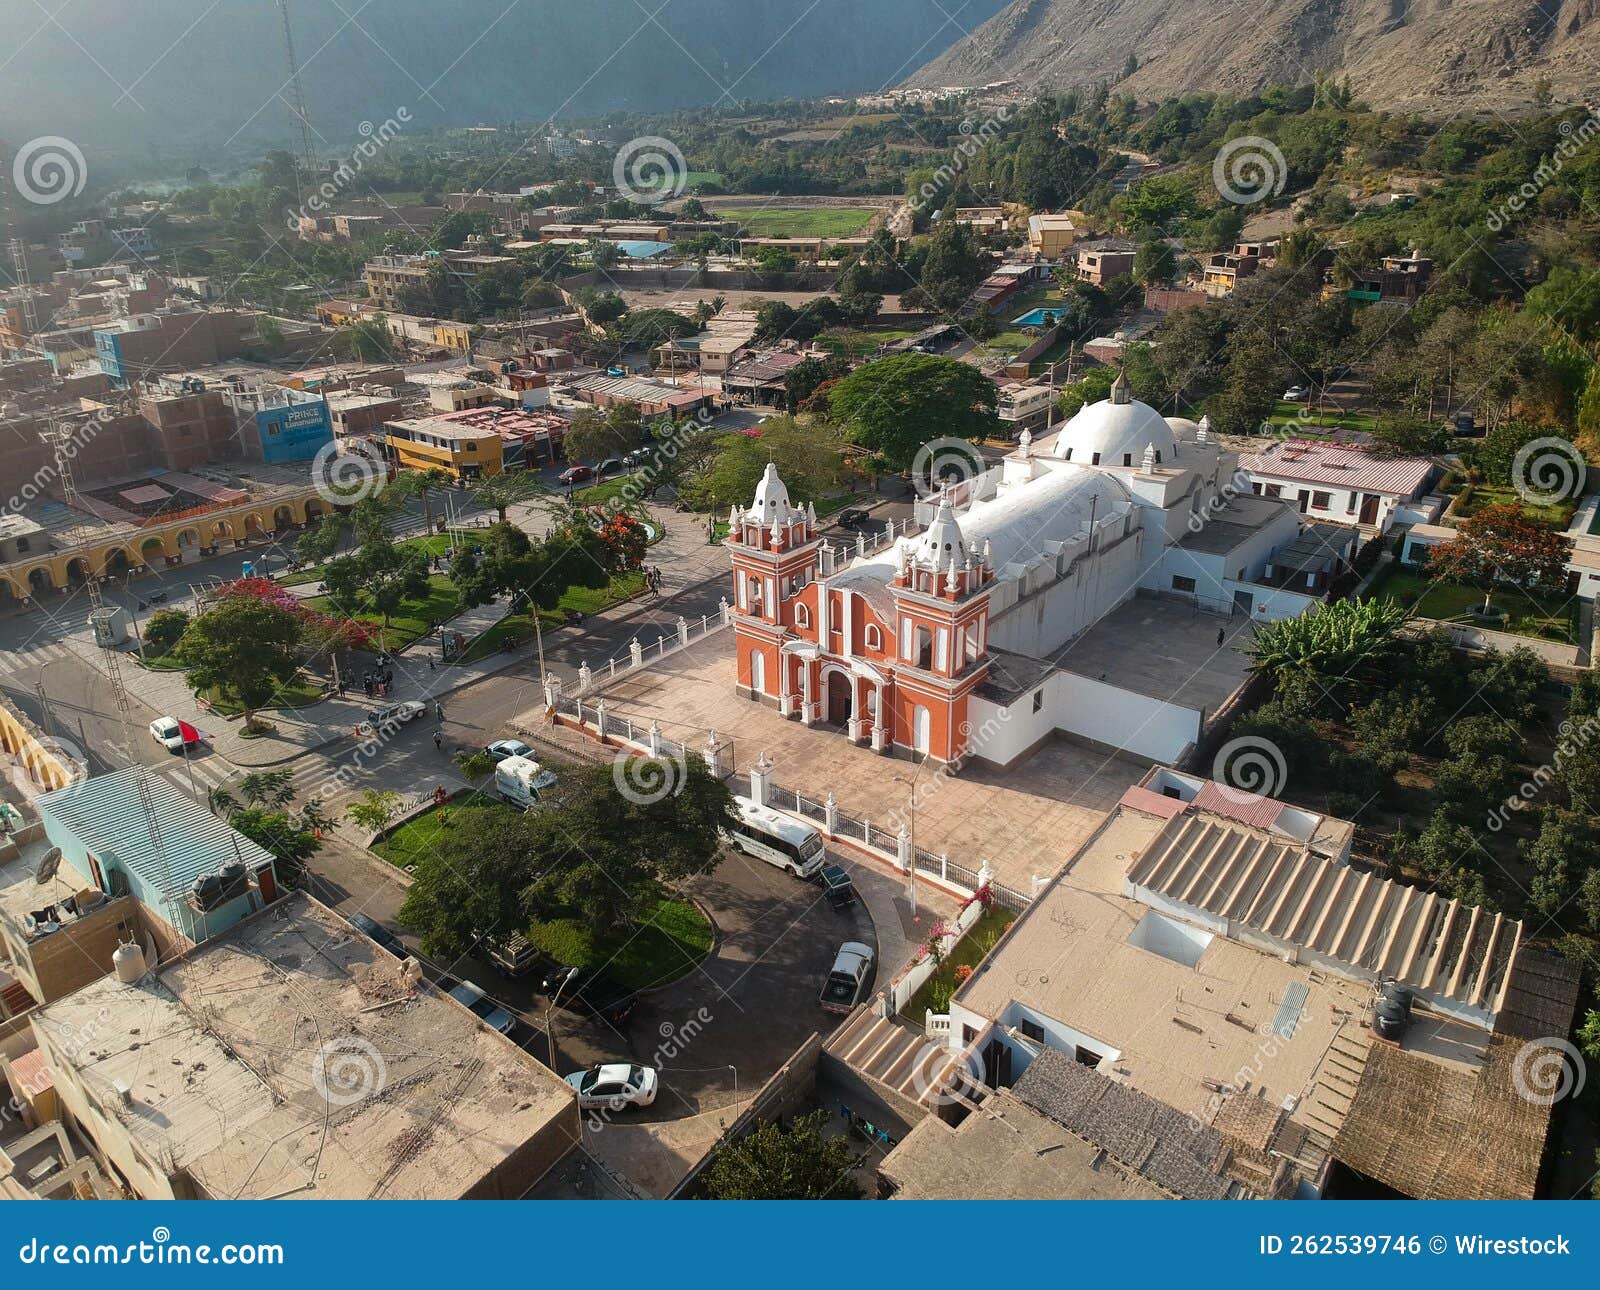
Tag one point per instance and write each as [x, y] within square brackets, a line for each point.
[503, 491]
[421, 483]
[222, 802]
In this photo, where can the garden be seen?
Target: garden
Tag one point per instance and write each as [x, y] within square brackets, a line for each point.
[956, 966]
[1545, 616]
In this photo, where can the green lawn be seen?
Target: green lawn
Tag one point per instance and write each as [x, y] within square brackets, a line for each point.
[968, 952]
[586, 600]
[432, 545]
[829, 221]
[301, 692]
[1548, 617]
[1474, 497]
[415, 619]
[425, 834]
[672, 940]
[1288, 414]
[858, 342]
[606, 492]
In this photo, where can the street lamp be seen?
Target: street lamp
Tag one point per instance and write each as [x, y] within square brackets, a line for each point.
[911, 810]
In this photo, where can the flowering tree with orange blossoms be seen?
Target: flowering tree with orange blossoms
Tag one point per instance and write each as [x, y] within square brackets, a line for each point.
[1502, 544]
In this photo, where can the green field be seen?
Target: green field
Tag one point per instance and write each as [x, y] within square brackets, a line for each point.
[827, 221]
[1549, 617]
[1288, 414]
[1477, 496]
[414, 620]
[425, 834]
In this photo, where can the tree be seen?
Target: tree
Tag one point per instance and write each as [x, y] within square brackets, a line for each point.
[503, 563]
[422, 484]
[163, 630]
[774, 1163]
[474, 882]
[1155, 262]
[378, 578]
[290, 841]
[1345, 643]
[503, 491]
[373, 809]
[1501, 544]
[594, 435]
[602, 254]
[269, 788]
[897, 404]
[244, 648]
[808, 458]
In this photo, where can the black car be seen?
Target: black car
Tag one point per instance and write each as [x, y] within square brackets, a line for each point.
[591, 992]
[851, 516]
[377, 932]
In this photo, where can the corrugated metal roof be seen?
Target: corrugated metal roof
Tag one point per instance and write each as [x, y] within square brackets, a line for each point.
[106, 814]
[1311, 462]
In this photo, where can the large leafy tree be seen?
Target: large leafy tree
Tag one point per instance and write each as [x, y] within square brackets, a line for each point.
[897, 404]
[1346, 643]
[1501, 544]
[503, 491]
[808, 458]
[245, 648]
[777, 1163]
[595, 435]
[378, 578]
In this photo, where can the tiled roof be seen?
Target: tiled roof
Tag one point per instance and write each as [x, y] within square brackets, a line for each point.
[1311, 462]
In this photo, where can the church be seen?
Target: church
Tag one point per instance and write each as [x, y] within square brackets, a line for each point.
[948, 644]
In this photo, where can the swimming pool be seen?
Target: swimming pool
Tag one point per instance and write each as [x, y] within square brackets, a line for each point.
[1034, 317]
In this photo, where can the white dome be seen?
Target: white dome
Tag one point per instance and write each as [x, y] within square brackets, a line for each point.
[941, 541]
[772, 498]
[1115, 432]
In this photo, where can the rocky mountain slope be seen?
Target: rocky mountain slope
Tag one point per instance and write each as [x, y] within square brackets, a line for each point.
[1408, 54]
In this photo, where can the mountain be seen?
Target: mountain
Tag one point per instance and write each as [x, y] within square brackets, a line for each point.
[193, 74]
[1409, 54]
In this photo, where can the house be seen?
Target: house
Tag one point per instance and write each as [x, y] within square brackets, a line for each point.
[292, 1057]
[985, 221]
[944, 644]
[529, 437]
[1344, 482]
[760, 378]
[465, 451]
[1051, 236]
[1104, 259]
[1197, 996]
[1024, 407]
[654, 398]
[1400, 279]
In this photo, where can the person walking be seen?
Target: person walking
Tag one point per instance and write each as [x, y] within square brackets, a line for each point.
[438, 740]
[438, 711]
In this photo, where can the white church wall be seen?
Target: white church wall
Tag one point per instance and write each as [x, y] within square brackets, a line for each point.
[1077, 705]
[1042, 622]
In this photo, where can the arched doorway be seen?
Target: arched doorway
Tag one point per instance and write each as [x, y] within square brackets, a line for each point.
[151, 551]
[921, 729]
[39, 581]
[77, 572]
[252, 525]
[282, 518]
[313, 510]
[188, 539]
[839, 695]
[115, 563]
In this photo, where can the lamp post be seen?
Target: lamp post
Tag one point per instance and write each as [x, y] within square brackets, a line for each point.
[911, 810]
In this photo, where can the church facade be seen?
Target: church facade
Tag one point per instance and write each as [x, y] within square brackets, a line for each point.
[923, 647]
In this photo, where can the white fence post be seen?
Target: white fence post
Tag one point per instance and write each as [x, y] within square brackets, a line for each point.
[830, 815]
[600, 718]
[584, 677]
[683, 630]
[655, 739]
[760, 779]
[611, 666]
[944, 866]
[635, 652]
[861, 544]
[903, 848]
[713, 754]
[722, 610]
[985, 874]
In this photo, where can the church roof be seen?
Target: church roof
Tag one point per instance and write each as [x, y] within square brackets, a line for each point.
[1115, 428]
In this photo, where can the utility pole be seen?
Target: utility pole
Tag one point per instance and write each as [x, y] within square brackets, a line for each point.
[297, 96]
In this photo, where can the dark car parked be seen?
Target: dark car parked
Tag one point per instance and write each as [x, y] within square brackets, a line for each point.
[851, 516]
[591, 992]
[376, 931]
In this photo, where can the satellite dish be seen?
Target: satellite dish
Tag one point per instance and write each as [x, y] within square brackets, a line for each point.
[48, 864]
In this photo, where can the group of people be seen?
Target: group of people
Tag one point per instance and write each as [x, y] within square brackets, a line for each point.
[376, 681]
[652, 578]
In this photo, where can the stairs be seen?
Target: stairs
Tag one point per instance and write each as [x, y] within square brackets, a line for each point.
[14, 998]
[896, 1055]
[1336, 1083]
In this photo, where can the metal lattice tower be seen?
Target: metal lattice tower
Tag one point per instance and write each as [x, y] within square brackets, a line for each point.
[16, 246]
[297, 95]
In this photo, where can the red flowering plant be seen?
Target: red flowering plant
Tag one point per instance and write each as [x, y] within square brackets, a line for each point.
[626, 538]
[318, 630]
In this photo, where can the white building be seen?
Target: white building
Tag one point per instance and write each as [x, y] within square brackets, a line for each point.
[1344, 483]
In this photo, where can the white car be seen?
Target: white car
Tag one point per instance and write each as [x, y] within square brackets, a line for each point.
[169, 734]
[615, 1085]
[847, 980]
[1295, 394]
[392, 716]
[500, 749]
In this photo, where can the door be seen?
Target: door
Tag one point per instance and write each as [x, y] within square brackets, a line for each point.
[921, 730]
[840, 697]
[758, 675]
[1305, 500]
[997, 1064]
[1243, 601]
[1369, 509]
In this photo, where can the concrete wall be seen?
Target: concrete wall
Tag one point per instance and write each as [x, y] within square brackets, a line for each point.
[521, 1171]
[1048, 611]
[55, 965]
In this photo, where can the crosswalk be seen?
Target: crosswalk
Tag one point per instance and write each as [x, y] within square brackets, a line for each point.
[23, 663]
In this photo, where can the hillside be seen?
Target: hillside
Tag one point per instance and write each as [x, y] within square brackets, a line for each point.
[187, 74]
[1453, 54]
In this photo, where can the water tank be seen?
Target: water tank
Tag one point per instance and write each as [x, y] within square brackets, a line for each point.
[1391, 1014]
[127, 961]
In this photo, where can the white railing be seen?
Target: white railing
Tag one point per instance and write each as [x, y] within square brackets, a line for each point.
[937, 1027]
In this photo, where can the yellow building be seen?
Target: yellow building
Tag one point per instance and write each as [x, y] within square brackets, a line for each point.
[1051, 236]
[467, 452]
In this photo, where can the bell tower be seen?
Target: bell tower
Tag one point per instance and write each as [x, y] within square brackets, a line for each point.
[774, 547]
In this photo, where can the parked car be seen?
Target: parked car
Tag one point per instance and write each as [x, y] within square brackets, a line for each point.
[591, 992]
[847, 980]
[500, 749]
[615, 1085]
[169, 733]
[1295, 394]
[392, 716]
[838, 886]
[610, 466]
[575, 475]
[638, 457]
[482, 1006]
[851, 516]
[377, 932]
[515, 957]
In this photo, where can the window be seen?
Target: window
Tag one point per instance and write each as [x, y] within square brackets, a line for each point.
[1094, 460]
[1255, 487]
[1274, 490]
[802, 616]
[1321, 500]
[871, 637]
[1085, 1057]
[1127, 459]
[1038, 699]
[968, 1033]
[1069, 455]
[1031, 1030]
[1180, 583]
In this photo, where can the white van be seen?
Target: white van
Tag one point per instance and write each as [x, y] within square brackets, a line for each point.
[777, 838]
[520, 780]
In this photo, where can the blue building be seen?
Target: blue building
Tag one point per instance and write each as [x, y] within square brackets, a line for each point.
[194, 871]
[280, 424]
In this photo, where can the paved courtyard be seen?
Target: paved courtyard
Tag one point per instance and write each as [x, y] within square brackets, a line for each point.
[1024, 820]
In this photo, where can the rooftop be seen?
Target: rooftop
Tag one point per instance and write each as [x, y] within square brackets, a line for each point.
[1313, 462]
[225, 1054]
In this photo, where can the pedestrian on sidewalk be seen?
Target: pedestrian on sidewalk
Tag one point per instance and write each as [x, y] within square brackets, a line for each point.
[438, 711]
[438, 740]
[430, 662]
